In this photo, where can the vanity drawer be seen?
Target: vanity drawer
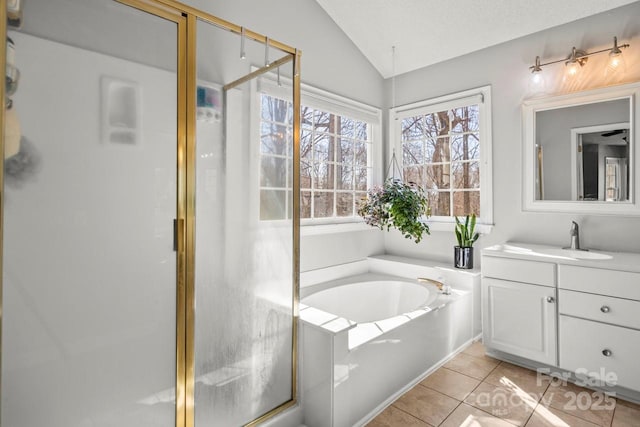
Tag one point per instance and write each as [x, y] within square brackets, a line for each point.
[622, 284]
[535, 272]
[583, 344]
[606, 309]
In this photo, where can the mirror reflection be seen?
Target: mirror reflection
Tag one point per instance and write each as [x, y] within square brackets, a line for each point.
[583, 152]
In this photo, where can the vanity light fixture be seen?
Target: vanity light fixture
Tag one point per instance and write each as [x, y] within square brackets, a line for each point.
[577, 59]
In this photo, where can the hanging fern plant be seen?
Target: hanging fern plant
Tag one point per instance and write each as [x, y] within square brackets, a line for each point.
[397, 204]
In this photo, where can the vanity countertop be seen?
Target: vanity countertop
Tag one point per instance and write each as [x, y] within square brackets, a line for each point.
[620, 261]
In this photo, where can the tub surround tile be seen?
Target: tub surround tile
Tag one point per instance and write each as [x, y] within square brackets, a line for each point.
[451, 383]
[465, 415]
[551, 417]
[472, 366]
[393, 417]
[512, 376]
[626, 415]
[426, 404]
[503, 402]
[580, 402]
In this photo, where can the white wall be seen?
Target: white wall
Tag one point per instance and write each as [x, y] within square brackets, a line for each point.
[505, 68]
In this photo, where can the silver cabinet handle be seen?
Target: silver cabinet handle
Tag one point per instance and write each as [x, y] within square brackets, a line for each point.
[605, 309]
[550, 299]
[607, 352]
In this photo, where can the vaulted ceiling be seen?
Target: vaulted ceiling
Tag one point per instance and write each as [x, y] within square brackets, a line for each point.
[426, 32]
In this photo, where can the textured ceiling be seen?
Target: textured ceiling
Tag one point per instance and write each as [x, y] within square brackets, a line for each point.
[426, 32]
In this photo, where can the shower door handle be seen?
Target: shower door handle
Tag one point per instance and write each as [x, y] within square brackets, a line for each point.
[178, 225]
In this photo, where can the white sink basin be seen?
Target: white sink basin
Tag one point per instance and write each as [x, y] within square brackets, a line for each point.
[573, 254]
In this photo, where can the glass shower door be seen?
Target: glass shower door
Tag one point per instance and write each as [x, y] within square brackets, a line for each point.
[89, 267]
[244, 241]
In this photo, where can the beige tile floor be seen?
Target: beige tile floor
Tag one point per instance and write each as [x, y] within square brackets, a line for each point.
[475, 390]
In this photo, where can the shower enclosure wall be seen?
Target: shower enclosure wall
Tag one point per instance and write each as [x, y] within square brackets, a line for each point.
[150, 218]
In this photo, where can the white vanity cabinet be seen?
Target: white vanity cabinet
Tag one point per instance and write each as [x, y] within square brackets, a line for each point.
[599, 335]
[578, 312]
[519, 310]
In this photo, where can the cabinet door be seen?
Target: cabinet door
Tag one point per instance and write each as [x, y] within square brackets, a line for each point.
[520, 319]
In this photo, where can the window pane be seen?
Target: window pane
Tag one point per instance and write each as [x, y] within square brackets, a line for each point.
[360, 197]
[362, 131]
[324, 148]
[344, 180]
[274, 139]
[437, 150]
[360, 149]
[344, 204]
[466, 175]
[361, 178]
[306, 117]
[305, 144]
[323, 121]
[272, 172]
[439, 203]
[413, 153]
[465, 119]
[436, 124]
[347, 127]
[276, 110]
[466, 147]
[323, 175]
[272, 204]
[466, 203]
[438, 177]
[305, 204]
[323, 204]
[412, 128]
[305, 174]
[414, 174]
[345, 151]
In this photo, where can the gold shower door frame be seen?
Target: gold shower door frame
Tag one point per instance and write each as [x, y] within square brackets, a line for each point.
[186, 18]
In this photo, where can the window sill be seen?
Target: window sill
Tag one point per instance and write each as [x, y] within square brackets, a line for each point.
[312, 229]
[451, 226]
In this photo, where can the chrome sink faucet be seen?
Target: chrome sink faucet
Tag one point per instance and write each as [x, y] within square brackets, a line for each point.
[574, 232]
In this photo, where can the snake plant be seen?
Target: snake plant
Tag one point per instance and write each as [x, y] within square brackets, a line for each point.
[465, 232]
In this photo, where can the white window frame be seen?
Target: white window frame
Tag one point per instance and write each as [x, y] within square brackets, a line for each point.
[480, 96]
[322, 100]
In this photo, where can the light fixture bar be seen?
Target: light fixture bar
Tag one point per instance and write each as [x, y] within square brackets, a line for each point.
[580, 54]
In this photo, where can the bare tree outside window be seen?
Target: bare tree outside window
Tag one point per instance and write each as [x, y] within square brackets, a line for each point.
[334, 169]
[441, 153]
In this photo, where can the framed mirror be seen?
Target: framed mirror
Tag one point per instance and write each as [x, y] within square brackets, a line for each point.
[580, 153]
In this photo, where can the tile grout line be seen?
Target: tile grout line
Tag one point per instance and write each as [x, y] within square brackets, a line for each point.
[450, 413]
[486, 412]
[409, 413]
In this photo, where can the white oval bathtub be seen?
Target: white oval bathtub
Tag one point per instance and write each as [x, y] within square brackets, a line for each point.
[371, 301]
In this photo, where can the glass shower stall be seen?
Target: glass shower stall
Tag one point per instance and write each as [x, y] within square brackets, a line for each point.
[150, 205]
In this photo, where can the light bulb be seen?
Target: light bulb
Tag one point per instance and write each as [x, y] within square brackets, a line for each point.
[573, 68]
[574, 63]
[615, 65]
[536, 82]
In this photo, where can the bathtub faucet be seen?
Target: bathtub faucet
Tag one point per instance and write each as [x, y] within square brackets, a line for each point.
[441, 286]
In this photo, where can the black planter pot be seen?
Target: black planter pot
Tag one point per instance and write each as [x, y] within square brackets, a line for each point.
[463, 257]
